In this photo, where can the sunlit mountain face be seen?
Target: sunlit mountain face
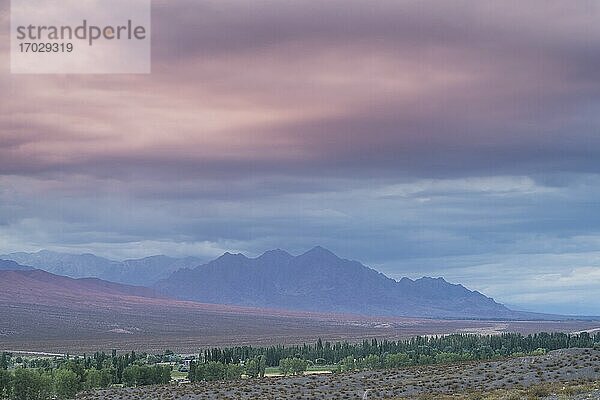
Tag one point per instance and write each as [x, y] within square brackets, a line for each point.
[455, 139]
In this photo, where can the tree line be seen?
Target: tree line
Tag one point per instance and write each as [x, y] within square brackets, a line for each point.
[218, 371]
[233, 362]
[251, 368]
[419, 349]
[62, 378]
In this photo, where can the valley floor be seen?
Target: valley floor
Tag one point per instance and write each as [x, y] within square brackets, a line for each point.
[560, 374]
[152, 325]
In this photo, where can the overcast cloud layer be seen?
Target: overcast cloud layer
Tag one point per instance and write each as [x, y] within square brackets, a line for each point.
[457, 139]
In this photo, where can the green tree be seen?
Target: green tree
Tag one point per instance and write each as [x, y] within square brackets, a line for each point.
[262, 365]
[285, 366]
[66, 383]
[200, 372]
[539, 352]
[251, 368]
[192, 372]
[147, 375]
[214, 371]
[299, 366]
[426, 359]
[108, 377]
[140, 375]
[293, 366]
[372, 361]
[4, 359]
[396, 360]
[255, 367]
[233, 372]
[92, 379]
[347, 364]
[164, 375]
[130, 375]
[78, 369]
[29, 384]
[5, 384]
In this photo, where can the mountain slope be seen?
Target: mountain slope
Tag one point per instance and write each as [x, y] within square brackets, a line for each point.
[9, 265]
[40, 287]
[320, 281]
[144, 271]
[41, 312]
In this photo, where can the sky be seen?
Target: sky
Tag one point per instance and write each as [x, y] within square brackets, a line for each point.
[423, 138]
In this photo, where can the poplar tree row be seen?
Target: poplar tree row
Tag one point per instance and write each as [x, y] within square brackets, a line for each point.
[467, 346]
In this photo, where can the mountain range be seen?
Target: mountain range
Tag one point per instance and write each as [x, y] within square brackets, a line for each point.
[144, 271]
[320, 281]
[315, 281]
[55, 313]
